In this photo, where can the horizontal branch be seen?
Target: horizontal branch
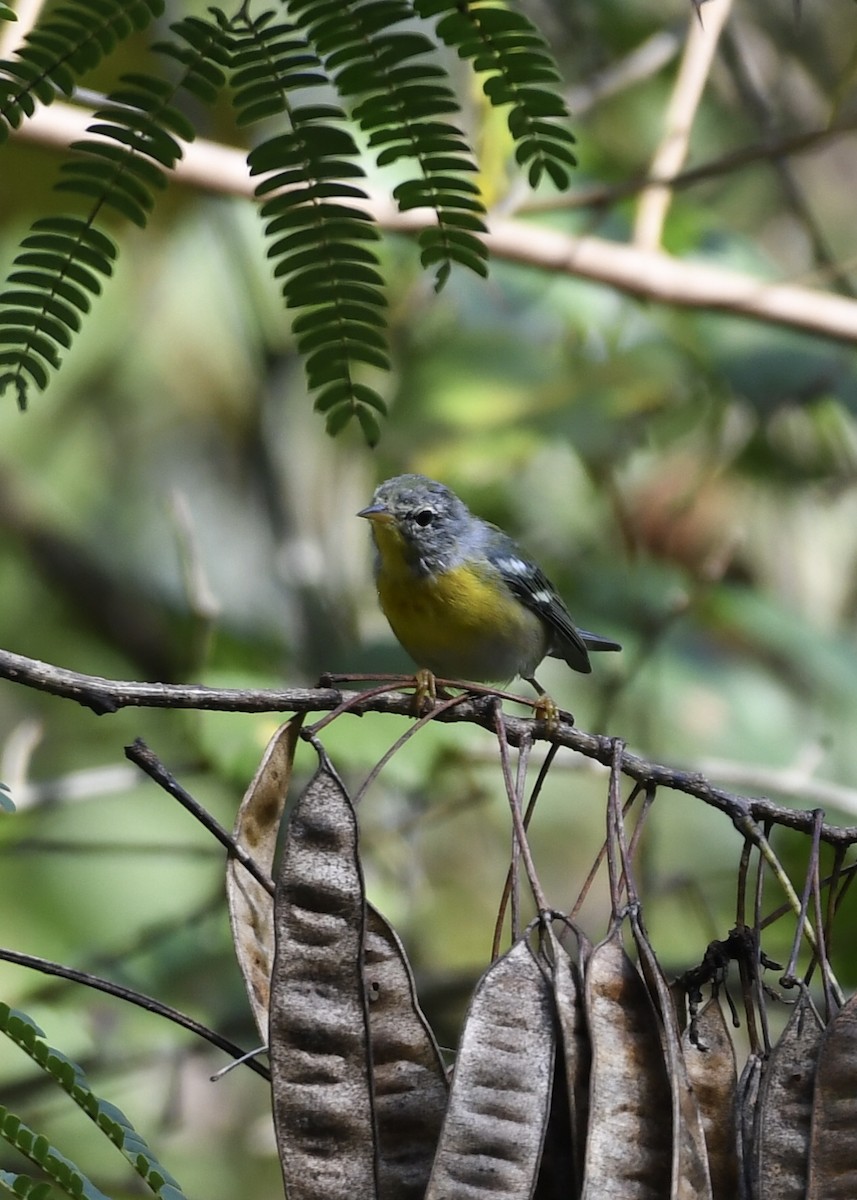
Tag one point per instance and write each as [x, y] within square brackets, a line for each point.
[649, 274]
[109, 695]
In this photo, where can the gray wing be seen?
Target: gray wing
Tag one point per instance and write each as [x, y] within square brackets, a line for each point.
[533, 588]
[541, 597]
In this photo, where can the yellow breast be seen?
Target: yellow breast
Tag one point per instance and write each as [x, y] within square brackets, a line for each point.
[463, 623]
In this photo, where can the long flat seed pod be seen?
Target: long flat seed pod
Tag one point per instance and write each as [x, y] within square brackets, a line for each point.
[410, 1080]
[833, 1143]
[713, 1076]
[321, 1074]
[690, 1176]
[557, 1178]
[629, 1141]
[492, 1136]
[251, 908]
[746, 1109]
[785, 1107]
[575, 1052]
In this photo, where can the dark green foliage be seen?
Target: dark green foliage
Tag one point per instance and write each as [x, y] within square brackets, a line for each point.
[117, 174]
[521, 74]
[55, 272]
[404, 98]
[369, 54]
[320, 239]
[64, 1173]
[21, 1185]
[73, 39]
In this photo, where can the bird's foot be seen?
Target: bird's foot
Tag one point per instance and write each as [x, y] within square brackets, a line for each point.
[545, 709]
[425, 692]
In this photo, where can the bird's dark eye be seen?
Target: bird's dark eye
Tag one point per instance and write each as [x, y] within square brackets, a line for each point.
[424, 516]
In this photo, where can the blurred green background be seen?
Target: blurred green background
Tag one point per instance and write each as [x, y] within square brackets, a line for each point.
[171, 509]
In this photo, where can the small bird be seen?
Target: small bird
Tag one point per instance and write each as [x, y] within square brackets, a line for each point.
[460, 596]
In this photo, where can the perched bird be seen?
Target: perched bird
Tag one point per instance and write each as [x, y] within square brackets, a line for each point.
[460, 596]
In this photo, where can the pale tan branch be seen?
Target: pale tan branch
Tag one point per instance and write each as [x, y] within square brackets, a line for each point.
[12, 33]
[649, 274]
[678, 120]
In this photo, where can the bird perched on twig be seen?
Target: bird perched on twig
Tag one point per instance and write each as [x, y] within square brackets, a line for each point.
[460, 596]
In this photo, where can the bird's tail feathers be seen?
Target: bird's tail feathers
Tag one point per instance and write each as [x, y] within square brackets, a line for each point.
[594, 641]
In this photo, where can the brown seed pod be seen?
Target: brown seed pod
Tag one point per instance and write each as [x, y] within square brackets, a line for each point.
[321, 1074]
[251, 908]
[409, 1076]
[833, 1143]
[575, 1052]
[785, 1107]
[746, 1101]
[498, 1107]
[713, 1076]
[629, 1141]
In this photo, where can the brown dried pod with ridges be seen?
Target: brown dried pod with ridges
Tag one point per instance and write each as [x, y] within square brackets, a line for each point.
[713, 1075]
[411, 1090]
[321, 1072]
[746, 1101]
[492, 1136]
[576, 1055]
[689, 1169]
[784, 1118]
[629, 1140]
[833, 1142]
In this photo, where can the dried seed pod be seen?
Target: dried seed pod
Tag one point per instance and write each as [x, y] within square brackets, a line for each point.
[576, 1054]
[746, 1101]
[557, 1178]
[321, 1073]
[785, 1107]
[251, 908]
[833, 1143]
[713, 1076]
[410, 1080]
[629, 1140]
[492, 1136]
[690, 1176]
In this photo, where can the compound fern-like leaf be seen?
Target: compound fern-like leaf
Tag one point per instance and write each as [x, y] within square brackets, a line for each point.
[23, 1187]
[135, 141]
[58, 268]
[503, 44]
[36, 1147]
[400, 99]
[319, 238]
[72, 39]
[111, 1120]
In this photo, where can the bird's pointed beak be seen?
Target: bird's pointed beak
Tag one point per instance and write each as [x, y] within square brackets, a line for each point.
[378, 514]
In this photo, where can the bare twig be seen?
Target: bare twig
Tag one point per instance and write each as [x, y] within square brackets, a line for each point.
[678, 121]
[148, 761]
[109, 695]
[772, 147]
[515, 807]
[131, 997]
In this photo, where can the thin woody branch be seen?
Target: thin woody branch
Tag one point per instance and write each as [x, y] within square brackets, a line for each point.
[109, 695]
